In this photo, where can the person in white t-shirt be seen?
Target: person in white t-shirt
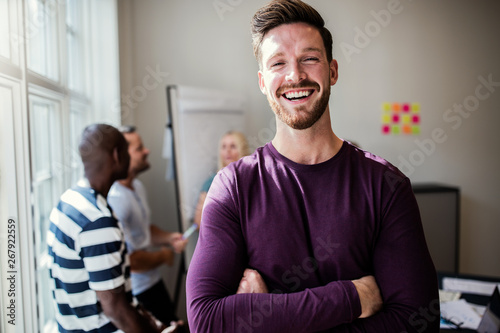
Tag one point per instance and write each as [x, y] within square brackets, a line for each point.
[150, 247]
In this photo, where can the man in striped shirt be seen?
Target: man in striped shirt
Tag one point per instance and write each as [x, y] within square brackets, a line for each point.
[89, 263]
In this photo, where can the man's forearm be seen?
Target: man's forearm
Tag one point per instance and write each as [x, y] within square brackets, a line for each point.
[122, 314]
[130, 320]
[397, 318]
[141, 261]
[371, 303]
[311, 310]
[158, 236]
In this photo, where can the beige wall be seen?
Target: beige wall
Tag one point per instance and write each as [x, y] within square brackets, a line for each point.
[428, 52]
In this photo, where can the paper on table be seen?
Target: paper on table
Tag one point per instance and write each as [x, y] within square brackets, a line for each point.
[460, 312]
[479, 309]
[447, 296]
[469, 286]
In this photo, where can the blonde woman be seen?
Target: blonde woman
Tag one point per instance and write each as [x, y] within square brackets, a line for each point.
[232, 146]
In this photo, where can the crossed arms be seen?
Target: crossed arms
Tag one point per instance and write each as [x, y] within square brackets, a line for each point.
[220, 300]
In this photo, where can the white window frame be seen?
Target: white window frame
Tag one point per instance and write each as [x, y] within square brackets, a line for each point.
[15, 172]
[20, 85]
[55, 175]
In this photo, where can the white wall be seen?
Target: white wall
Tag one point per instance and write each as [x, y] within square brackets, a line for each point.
[430, 52]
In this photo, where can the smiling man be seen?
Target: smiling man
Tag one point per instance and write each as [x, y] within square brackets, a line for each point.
[293, 88]
[310, 233]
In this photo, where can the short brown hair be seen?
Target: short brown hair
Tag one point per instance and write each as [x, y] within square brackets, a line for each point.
[279, 12]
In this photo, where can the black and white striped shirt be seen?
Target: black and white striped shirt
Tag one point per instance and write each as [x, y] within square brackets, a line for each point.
[88, 254]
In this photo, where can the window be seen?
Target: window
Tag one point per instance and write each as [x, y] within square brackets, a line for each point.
[76, 15]
[51, 74]
[78, 118]
[42, 30]
[47, 182]
[4, 30]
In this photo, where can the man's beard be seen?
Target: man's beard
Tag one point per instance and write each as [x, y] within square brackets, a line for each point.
[294, 118]
[141, 168]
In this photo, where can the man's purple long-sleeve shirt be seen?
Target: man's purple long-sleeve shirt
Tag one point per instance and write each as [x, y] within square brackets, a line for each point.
[309, 230]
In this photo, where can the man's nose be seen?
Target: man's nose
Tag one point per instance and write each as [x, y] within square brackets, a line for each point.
[296, 72]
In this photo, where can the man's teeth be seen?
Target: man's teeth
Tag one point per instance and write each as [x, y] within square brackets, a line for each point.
[297, 94]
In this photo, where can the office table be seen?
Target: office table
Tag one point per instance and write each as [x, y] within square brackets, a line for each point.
[470, 298]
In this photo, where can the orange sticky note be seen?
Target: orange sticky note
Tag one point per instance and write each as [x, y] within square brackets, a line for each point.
[396, 107]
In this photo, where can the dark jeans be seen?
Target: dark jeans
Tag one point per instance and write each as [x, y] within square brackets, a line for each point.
[157, 301]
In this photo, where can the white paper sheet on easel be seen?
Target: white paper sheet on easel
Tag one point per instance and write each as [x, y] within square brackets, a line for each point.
[168, 153]
[460, 312]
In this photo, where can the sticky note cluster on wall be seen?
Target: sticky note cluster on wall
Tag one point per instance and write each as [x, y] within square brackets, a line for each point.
[400, 118]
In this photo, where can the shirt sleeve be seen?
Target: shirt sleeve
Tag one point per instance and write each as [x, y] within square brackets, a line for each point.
[103, 252]
[403, 269]
[216, 270]
[122, 209]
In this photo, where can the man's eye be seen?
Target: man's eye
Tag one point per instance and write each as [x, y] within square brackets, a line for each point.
[276, 64]
[311, 59]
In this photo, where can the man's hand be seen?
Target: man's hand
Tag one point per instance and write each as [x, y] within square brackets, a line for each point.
[252, 283]
[369, 296]
[161, 237]
[151, 318]
[142, 260]
[176, 241]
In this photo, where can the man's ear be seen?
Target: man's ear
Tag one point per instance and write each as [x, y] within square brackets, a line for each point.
[116, 156]
[262, 85]
[334, 72]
